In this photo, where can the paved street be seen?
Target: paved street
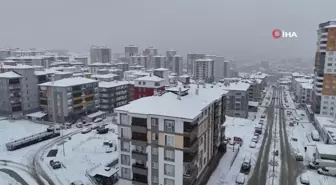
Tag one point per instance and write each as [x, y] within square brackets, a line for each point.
[259, 175]
[290, 169]
[14, 175]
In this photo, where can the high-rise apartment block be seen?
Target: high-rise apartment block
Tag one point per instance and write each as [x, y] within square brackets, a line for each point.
[204, 70]
[324, 95]
[100, 54]
[171, 138]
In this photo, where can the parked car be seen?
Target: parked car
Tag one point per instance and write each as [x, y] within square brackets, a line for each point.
[299, 157]
[263, 116]
[304, 179]
[327, 171]
[255, 139]
[246, 163]
[55, 164]
[253, 145]
[97, 120]
[240, 179]
[79, 182]
[86, 130]
[79, 125]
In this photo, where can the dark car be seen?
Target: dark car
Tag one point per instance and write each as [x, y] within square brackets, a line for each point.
[55, 164]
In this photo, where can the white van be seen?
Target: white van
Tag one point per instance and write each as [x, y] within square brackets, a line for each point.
[320, 163]
[315, 135]
[327, 171]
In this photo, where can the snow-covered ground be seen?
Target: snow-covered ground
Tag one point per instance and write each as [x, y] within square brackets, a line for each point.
[229, 167]
[82, 154]
[302, 132]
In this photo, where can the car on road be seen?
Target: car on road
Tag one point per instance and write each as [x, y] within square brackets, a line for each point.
[79, 125]
[97, 120]
[253, 145]
[304, 179]
[263, 116]
[327, 171]
[240, 179]
[86, 130]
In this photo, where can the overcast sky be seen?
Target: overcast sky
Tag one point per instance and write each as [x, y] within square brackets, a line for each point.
[240, 29]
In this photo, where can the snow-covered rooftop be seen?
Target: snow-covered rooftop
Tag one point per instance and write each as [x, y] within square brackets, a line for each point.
[18, 66]
[258, 75]
[168, 104]
[184, 76]
[104, 76]
[152, 78]
[235, 86]
[303, 80]
[161, 69]
[112, 84]
[204, 60]
[307, 85]
[39, 73]
[66, 82]
[10, 74]
[38, 114]
[326, 149]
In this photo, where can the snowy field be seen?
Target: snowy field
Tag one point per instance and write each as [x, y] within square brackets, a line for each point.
[228, 167]
[302, 132]
[82, 154]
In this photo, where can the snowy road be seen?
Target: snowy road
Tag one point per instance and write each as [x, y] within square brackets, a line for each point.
[290, 168]
[14, 175]
[259, 176]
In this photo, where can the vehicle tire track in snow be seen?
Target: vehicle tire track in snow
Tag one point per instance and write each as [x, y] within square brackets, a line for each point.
[259, 175]
[290, 168]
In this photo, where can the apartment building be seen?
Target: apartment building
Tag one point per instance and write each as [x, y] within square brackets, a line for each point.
[140, 60]
[158, 61]
[28, 86]
[261, 76]
[204, 70]
[324, 95]
[170, 139]
[10, 93]
[237, 98]
[297, 87]
[177, 65]
[100, 54]
[191, 57]
[306, 93]
[65, 99]
[169, 56]
[114, 94]
[255, 89]
[131, 50]
[147, 86]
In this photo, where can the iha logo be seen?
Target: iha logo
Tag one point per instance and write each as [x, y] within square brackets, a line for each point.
[277, 34]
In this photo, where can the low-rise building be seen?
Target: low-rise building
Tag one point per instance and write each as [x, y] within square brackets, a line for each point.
[326, 126]
[237, 98]
[65, 99]
[114, 94]
[171, 138]
[147, 85]
[10, 93]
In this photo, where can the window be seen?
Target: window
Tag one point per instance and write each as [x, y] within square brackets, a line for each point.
[155, 165]
[156, 84]
[169, 140]
[169, 125]
[143, 83]
[329, 64]
[169, 181]
[169, 170]
[124, 119]
[330, 59]
[124, 132]
[155, 151]
[154, 121]
[155, 179]
[125, 146]
[169, 155]
[139, 83]
[125, 159]
[125, 173]
[155, 137]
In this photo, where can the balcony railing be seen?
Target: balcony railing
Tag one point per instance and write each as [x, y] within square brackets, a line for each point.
[190, 145]
[140, 178]
[139, 136]
[188, 127]
[189, 156]
[139, 122]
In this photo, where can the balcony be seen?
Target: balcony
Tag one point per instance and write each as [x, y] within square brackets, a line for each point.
[139, 139]
[189, 173]
[190, 145]
[140, 169]
[82, 104]
[141, 122]
[189, 156]
[14, 81]
[139, 179]
[139, 155]
[189, 127]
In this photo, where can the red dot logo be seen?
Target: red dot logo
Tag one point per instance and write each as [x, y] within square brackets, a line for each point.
[277, 33]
